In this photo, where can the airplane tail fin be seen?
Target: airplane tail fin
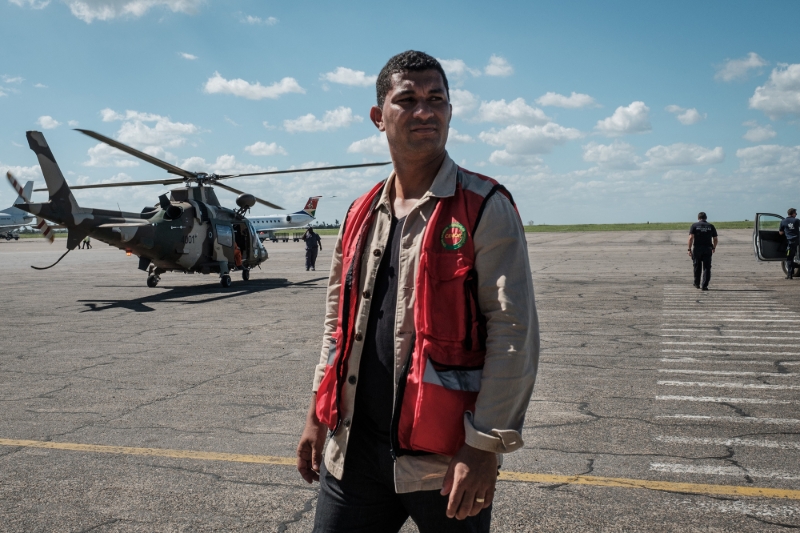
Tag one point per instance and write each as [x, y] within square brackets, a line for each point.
[24, 196]
[56, 184]
[311, 206]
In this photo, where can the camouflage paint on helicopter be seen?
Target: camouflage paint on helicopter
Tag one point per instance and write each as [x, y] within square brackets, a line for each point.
[188, 232]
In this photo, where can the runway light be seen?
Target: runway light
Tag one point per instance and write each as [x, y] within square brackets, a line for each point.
[128, 252]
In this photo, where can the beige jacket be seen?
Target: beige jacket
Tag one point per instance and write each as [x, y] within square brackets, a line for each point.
[506, 298]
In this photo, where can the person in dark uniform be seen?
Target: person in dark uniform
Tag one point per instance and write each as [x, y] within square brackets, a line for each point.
[790, 228]
[313, 241]
[704, 237]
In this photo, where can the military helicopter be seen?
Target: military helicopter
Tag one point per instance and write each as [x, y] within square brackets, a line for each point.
[189, 231]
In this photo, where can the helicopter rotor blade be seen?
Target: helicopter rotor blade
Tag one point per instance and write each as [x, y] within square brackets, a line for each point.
[228, 176]
[259, 200]
[172, 181]
[172, 169]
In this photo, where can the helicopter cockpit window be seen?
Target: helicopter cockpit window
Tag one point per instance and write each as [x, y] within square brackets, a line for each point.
[225, 235]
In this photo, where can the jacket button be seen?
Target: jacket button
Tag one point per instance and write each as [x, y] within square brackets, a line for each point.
[359, 337]
[347, 422]
[352, 380]
[365, 294]
[376, 253]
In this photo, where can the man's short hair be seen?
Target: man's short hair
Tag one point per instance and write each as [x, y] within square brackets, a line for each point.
[791, 212]
[408, 61]
[701, 216]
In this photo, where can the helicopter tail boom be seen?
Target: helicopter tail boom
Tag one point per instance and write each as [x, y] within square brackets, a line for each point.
[56, 184]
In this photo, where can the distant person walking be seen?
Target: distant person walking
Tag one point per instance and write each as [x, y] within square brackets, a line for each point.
[313, 246]
[704, 238]
[790, 228]
[87, 243]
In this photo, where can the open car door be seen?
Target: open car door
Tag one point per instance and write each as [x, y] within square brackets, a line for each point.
[768, 244]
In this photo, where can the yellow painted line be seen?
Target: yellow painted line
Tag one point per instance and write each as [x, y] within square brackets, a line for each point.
[519, 477]
[152, 452]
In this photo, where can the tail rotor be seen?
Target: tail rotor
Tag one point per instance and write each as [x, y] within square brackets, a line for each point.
[41, 224]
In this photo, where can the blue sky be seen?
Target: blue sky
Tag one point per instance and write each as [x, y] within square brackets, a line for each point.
[677, 107]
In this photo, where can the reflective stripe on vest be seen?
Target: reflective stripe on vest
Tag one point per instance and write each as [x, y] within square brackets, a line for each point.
[441, 379]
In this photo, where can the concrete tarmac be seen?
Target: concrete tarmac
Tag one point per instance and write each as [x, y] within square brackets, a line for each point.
[658, 407]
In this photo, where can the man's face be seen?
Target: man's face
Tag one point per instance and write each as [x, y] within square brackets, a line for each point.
[415, 115]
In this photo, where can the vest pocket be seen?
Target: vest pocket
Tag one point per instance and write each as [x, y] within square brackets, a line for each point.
[442, 289]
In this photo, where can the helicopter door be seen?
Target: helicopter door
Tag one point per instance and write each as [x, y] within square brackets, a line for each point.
[768, 244]
[223, 243]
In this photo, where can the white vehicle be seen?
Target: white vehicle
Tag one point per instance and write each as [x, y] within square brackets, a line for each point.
[14, 218]
[267, 225]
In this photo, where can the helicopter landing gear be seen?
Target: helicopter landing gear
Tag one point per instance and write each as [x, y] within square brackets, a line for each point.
[246, 274]
[225, 281]
[154, 276]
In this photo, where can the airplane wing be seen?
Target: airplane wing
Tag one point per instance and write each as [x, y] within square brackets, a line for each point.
[14, 226]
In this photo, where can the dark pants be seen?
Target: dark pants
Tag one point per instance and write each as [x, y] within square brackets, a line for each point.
[791, 251]
[364, 501]
[701, 257]
[311, 257]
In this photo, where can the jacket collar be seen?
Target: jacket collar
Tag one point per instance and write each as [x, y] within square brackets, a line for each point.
[443, 186]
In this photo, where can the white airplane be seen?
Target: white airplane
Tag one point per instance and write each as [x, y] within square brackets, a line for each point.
[14, 218]
[266, 225]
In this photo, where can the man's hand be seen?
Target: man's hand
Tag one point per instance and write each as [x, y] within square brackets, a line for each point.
[689, 252]
[471, 476]
[309, 450]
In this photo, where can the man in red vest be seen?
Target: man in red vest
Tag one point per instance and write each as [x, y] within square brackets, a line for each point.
[431, 340]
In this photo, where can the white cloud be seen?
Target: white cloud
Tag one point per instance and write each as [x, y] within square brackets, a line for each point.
[615, 156]
[687, 117]
[73, 123]
[737, 69]
[341, 117]
[457, 69]
[47, 122]
[262, 148]
[771, 160]
[680, 154]
[463, 102]
[518, 139]
[103, 155]
[33, 4]
[32, 172]
[503, 158]
[498, 66]
[12, 79]
[573, 101]
[224, 164]
[514, 112]
[347, 76]
[758, 133]
[634, 118]
[780, 95]
[2, 93]
[239, 87]
[250, 19]
[40, 86]
[375, 145]
[91, 10]
[148, 132]
[190, 57]
[459, 138]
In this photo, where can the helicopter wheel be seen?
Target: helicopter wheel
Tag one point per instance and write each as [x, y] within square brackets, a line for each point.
[246, 274]
[152, 281]
[225, 281]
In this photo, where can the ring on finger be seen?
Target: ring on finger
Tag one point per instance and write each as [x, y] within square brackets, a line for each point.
[480, 500]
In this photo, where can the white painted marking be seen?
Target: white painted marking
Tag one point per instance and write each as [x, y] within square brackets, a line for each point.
[720, 336]
[754, 443]
[733, 419]
[715, 399]
[734, 314]
[722, 385]
[713, 361]
[704, 343]
[728, 351]
[742, 319]
[725, 373]
[674, 468]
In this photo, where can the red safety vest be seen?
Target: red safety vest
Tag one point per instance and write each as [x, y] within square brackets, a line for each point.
[441, 379]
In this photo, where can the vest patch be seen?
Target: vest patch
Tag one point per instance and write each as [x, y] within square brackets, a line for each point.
[454, 236]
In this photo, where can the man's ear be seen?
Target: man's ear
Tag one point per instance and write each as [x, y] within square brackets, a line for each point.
[376, 116]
